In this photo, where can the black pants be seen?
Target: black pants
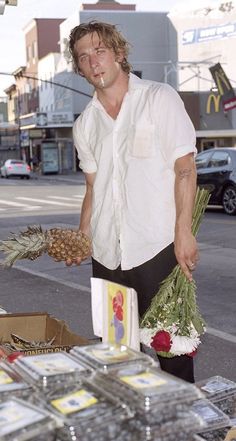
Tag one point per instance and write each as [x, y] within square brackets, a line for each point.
[146, 279]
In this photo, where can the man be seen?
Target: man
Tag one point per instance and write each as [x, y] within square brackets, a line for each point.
[136, 146]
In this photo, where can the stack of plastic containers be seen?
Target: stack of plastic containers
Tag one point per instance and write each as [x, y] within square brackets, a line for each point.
[217, 423]
[154, 395]
[88, 412]
[221, 392]
[63, 385]
[21, 421]
[46, 372]
[160, 401]
[12, 384]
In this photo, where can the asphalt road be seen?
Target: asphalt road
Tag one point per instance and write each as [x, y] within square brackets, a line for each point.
[43, 285]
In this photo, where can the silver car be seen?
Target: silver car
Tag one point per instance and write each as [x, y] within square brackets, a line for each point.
[15, 167]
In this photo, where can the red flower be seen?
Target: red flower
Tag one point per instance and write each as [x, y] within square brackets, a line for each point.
[161, 341]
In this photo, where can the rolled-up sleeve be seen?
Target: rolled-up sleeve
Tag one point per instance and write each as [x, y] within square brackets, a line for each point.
[176, 131]
[87, 161]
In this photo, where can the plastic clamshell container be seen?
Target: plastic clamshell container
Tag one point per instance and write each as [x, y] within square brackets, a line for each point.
[106, 356]
[217, 423]
[12, 384]
[87, 412]
[233, 421]
[49, 370]
[221, 391]
[154, 394]
[182, 428]
[20, 421]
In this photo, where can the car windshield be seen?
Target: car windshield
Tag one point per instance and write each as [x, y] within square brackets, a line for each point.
[17, 162]
[202, 159]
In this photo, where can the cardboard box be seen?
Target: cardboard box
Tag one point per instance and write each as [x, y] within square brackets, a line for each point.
[38, 327]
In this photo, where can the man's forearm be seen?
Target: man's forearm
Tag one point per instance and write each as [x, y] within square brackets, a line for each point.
[185, 190]
[85, 216]
[86, 209]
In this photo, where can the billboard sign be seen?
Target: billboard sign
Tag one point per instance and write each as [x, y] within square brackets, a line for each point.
[200, 35]
[225, 90]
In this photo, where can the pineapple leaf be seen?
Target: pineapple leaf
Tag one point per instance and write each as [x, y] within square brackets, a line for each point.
[29, 244]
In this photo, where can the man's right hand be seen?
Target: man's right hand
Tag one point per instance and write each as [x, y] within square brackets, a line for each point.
[77, 261]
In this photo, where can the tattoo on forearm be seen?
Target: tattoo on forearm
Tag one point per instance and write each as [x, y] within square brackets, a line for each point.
[184, 173]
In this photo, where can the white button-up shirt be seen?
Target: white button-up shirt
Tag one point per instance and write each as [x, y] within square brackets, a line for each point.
[133, 207]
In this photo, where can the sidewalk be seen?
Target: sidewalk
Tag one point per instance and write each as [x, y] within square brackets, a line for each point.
[69, 177]
[23, 291]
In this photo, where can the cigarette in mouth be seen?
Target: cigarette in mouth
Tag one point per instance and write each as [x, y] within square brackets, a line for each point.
[102, 81]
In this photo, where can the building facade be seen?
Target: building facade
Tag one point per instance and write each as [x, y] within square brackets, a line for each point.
[177, 48]
[207, 36]
[25, 99]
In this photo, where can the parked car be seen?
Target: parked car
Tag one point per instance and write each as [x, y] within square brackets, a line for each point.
[216, 171]
[15, 167]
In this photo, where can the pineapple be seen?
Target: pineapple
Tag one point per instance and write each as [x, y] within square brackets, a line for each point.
[60, 244]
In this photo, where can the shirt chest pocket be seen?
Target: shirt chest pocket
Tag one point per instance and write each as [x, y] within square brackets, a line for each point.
[142, 140]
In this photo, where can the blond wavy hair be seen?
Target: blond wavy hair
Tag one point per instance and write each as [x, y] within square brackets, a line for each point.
[108, 34]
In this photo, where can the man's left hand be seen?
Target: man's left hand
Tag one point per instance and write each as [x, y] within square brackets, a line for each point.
[186, 252]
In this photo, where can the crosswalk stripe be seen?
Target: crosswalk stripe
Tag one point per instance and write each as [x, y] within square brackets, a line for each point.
[32, 207]
[13, 204]
[44, 201]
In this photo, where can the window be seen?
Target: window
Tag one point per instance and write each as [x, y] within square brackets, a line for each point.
[219, 159]
[209, 144]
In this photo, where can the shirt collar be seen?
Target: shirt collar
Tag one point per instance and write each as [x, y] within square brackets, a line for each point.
[134, 83]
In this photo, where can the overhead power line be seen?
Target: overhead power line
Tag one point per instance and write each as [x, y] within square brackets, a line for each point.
[48, 81]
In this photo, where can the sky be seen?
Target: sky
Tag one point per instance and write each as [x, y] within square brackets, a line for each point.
[12, 22]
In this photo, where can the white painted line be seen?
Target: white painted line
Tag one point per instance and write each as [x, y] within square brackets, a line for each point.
[3, 209]
[45, 202]
[61, 198]
[80, 196]
[32, 207]
[221, 334]
[12, 204]
[52, 278]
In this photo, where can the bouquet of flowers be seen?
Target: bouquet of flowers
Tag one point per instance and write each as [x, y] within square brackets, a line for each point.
[173, 324]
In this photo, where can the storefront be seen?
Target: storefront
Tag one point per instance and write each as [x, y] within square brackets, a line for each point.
[46, 140]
